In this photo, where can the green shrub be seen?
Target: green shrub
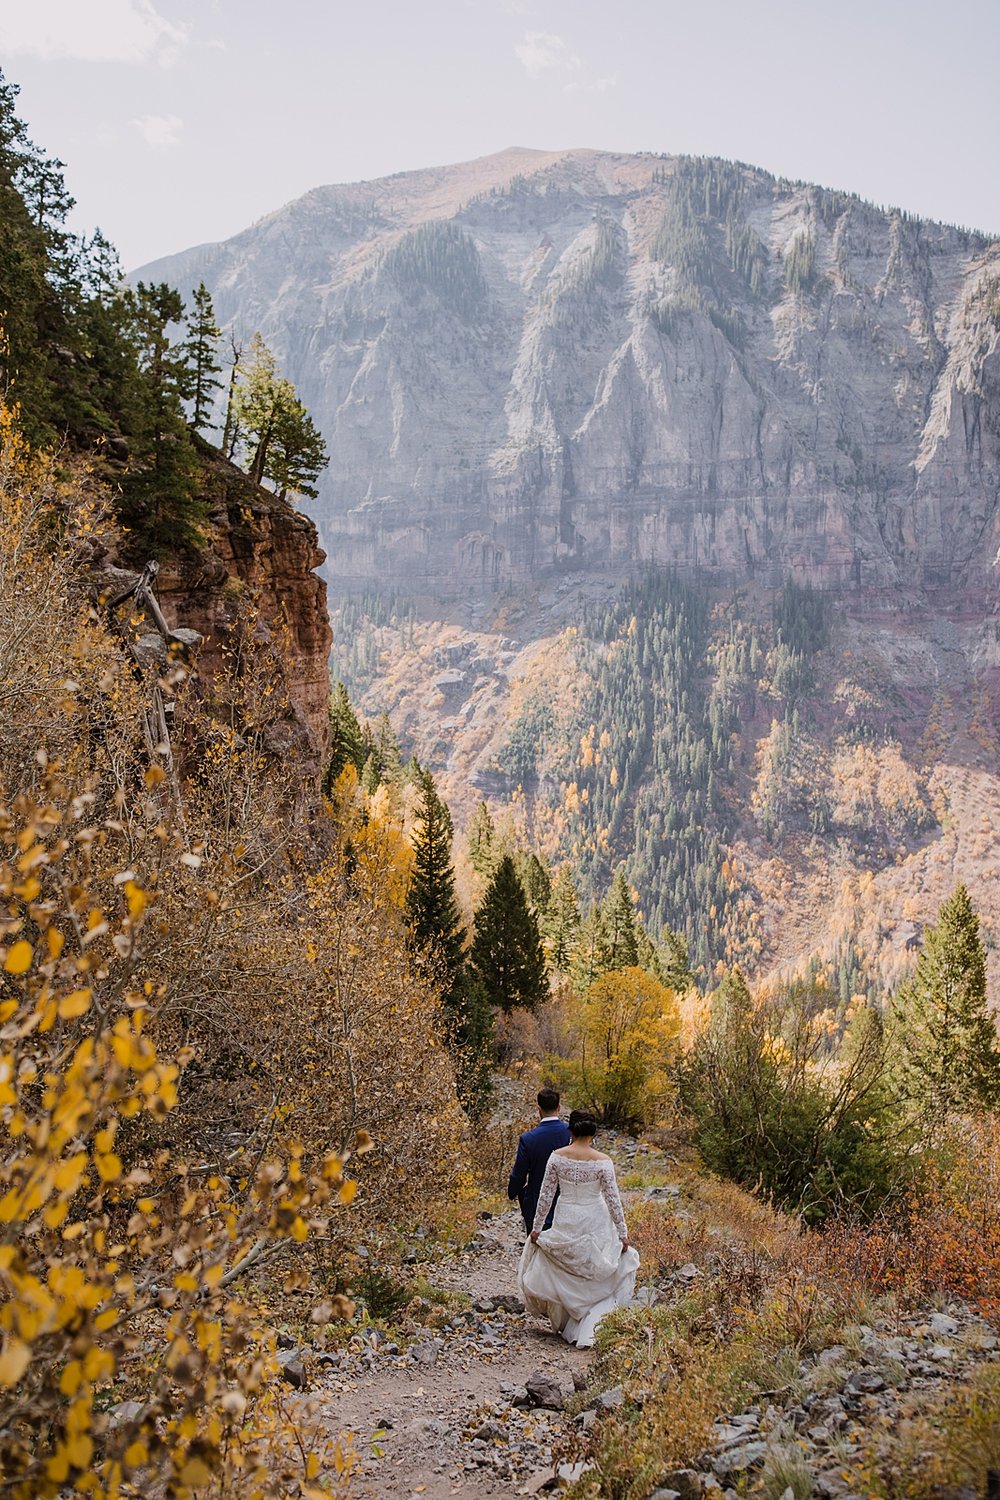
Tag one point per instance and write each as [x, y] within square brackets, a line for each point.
[778, 1111]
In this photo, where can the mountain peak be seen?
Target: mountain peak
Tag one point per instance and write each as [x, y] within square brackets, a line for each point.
[541, 360]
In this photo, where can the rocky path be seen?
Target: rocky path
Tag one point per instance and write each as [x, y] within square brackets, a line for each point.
[452, 1414]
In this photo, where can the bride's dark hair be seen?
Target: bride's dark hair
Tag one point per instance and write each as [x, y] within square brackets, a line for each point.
[582, 1124]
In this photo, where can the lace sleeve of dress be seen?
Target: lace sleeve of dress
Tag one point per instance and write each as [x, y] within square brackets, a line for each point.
[609, 1190]
[550, 1183]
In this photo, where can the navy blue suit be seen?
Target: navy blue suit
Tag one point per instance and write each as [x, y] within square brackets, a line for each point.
[533, 1151]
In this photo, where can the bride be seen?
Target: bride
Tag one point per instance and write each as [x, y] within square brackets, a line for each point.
[583, 1267]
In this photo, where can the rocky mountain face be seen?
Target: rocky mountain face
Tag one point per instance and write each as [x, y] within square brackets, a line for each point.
[585, 361]
[259, 551]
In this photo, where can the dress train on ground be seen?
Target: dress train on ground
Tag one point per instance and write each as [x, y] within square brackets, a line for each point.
[577, 1272]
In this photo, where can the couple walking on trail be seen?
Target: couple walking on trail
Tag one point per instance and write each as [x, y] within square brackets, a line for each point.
[577, 1264]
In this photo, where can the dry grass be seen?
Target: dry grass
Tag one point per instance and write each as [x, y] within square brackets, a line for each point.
[953, 1443]
[768, 1296]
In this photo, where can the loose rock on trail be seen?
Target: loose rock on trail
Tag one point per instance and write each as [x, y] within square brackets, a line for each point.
[452, 1415]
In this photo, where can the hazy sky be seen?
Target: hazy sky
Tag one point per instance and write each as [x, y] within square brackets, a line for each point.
[184, 120]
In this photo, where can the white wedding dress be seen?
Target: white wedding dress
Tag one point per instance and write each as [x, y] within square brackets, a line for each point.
[577, 1272]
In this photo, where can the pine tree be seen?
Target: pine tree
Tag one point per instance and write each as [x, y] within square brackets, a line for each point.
[381, 758]
[620, 924]
[507, 950]
[431, 906]
[371, 776]
[536, 881]
[471, 1035]
[675, 961]
[201, 348]
[231, 434]
[648, 958]
[345, 739]
[593, 951]
[282, 442]
[943, 1034]
[298, 453]
[562, 920]
[480, 835]
[160, 503]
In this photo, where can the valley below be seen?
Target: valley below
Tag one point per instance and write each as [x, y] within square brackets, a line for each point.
[897, 739]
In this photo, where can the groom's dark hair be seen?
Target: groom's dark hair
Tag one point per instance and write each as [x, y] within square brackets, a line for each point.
[548, 1100]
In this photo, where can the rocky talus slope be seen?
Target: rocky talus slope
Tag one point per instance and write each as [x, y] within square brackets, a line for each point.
[583, 359]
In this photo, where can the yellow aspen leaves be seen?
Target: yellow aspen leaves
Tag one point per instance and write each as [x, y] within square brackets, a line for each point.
[109, 1166]
[195, 1472]
[69, 1172]
[57, 1467]
[32, 858]
[14, 1360]
[97, 1364]
[54, 1214]
[74, 1005]
[19, 958]
[80, 1450]
[137, 900]
[208, 1337]
[347, 1191]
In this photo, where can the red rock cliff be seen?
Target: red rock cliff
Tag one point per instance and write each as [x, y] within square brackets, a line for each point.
[260, 542]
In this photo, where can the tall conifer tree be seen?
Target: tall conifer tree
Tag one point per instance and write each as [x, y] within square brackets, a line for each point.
[562, 919]
[535, 881]
[201, 348]
[431, 905]
[593, 951]
[620, 924]
[160, 501]
[480, 836]
[944, 1035]
[346, 745]
[281, 440]
[507, 950]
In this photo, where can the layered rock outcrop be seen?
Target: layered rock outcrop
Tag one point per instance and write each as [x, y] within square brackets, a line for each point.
[591, 361]
[259, 548]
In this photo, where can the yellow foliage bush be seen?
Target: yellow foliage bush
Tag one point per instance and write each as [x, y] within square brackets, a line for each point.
[204, 1007]
[116, 1255]
[623, 1038]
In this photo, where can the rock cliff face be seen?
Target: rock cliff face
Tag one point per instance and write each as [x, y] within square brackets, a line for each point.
[585, 361]
[260, 543]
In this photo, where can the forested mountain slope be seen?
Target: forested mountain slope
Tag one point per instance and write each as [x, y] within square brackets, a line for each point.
[787, 784]
[584, 359]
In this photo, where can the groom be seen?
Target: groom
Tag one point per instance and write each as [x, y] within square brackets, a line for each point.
[533, 1151]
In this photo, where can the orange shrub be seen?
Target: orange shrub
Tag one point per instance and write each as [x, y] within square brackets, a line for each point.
[947, 1239]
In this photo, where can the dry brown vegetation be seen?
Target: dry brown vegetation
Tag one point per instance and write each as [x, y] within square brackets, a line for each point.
[204, 1014]
[764, 1300]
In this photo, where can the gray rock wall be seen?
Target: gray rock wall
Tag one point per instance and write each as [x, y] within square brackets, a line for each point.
[552, 389]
